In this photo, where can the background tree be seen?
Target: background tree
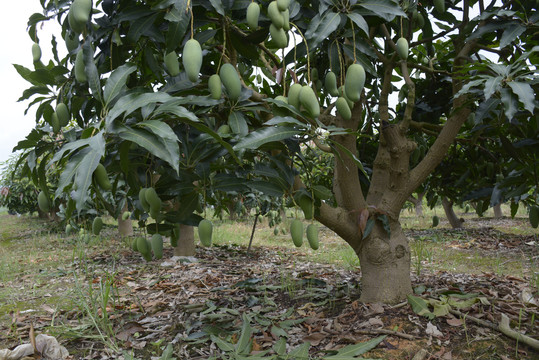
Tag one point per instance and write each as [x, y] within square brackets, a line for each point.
[154, 121]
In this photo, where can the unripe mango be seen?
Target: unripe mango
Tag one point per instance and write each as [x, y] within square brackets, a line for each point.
[402, 48]
[205, 229]
[435, 221]
[157, 245]
[309, 101]
[36, 52]
[192, 59]
[69, 229]
[275, 15]
[80, 74]
[153, 199]
[306, 204]
[286, 19]
[55, 123]
[97, 225]
[134, 244]
[343, 94]
[172, 64]
[142, 199]
[314, 75]
[63, 114]
[79, 14]
[43, 202]
[231, 81]
[101, 177]
[144, 248]
[278, 36]
[277, 111]
[126, 215]
[72, 41]
[354, 82]
[343, 109]
[215, 86]
[296, 232]
[293, 95]
[312, 236]
[283, 5]
[253, 13]
[439, 5]
[223, 130]
[330, 82]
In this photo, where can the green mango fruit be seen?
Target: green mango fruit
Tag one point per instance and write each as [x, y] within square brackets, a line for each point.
[253, 13]
[439, 5]
[144, 248]
[172, 64]
[312, 236]
[192, 59]
[101, 177]
[153, 199]
[275, 15]
[343, 109]
[79, 14]
[69, 229]
[55, 123]
[205, 229]
[286, 19]
[283, 5]
[435, 221]
[231, 81]
[134, 244]
[293, 95]
[80, 73]
[97, 225]
[63, 114]
[126, 215]
[296, 231]
[43, 202]
[534, 216]
[330, 82]
[215, 86]
[278, 35]
[306, 205]
[142, 199]
[157, 246]
[36, 52]
[309, 101]
[402, 48]
[354, 82]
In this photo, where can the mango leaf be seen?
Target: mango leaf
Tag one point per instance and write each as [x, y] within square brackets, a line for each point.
[91, 71]
[491, 86]
[368, 228]
[159, 128]
[165, 151]
[321, 28]
[173, 107]
[420, 306]
[218, 6]
[301, 352]
[280, 346]
[116, 82]
[243, 346]
[223, 345]
[237, 123]
[386, 9]
[203, 128]
[385, 223]
[277, 331]
[140, 26]
[359, 21]
[85, 170]
[133, 101]
[266, 187]
[511, 33]
[350, 351]
[510, 103]
[440, 308]
[525, 94]
[260, 137]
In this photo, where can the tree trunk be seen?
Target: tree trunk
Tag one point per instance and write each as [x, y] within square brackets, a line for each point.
[385, 265]
[186, 243]
[125, 227]
[498, 214]
[418, 203]
[453, 219]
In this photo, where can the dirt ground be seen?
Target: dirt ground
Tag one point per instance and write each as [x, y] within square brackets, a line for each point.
[103, 301]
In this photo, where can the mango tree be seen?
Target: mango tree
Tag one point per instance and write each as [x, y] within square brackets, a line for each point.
[195, 97]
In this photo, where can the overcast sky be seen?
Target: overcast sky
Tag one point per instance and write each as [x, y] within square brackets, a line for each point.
[16, 48]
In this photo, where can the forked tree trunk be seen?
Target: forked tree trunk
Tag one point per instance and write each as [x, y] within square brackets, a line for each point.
[186, 243]
[125, 227]
[418, 203]
[385, 265]
[453, 219]
[498, 214]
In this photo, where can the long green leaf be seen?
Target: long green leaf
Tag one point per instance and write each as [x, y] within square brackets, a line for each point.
[140, 26]
[301, 352]
[69, 171]
[320, 30]
[223, 345]
[173, 107]
[359, 21]
[150, 142]
[525, 94]
[203, 128]
[83, 177]
[243, 346]
[356, 349]
[91, 71]
[237, 123]
[386, 9]
[160, 129]
[116, 82]
[131, 102]
[510, 103]
[419, 306]
[511, 33]
[491, 86]
[260, 137]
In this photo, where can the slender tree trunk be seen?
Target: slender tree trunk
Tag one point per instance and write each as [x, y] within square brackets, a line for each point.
[418, 203]
[385, 265]
[125, 227]
[453, 219]
[498, 214]
[186, 243]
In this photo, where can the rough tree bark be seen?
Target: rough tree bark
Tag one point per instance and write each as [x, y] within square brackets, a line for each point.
[186, 243]
[418, 203]
[498, 214]
[453, 219]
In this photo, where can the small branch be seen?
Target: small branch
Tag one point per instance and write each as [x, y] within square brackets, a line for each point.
[410, 100]
[503, 327]
[252, 233]
[386, 332]
[432, 38]
[427, 69]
